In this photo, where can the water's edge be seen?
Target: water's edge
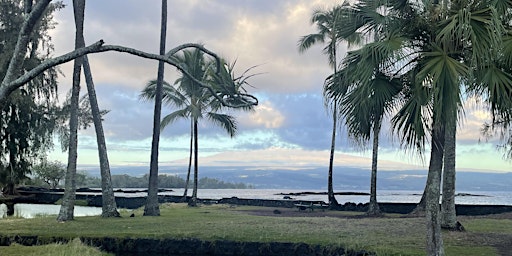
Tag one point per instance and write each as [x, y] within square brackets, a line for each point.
[42, 197]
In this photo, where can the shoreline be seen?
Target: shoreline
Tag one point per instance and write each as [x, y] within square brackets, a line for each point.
[44, 196]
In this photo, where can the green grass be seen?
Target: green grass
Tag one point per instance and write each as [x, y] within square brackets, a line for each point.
[500, 226]
[392, 235]
[75, 247]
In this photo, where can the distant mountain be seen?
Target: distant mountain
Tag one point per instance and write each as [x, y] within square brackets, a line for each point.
[345, 178]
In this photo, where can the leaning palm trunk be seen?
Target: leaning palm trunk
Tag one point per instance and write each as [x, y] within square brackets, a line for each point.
[448, 213]
[151, 208]
[68, 200]
[421, 206]
[433, 218]
[108, 206]
[333, 203]
[189, 161]
[373, 207]
[193, 200]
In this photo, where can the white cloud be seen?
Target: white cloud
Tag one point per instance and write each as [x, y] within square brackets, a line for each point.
[265, 115]
[258, 32]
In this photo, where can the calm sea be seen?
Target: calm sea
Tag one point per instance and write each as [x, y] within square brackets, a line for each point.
[387, 196]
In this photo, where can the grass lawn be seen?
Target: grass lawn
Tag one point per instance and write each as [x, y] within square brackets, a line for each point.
[389, 235]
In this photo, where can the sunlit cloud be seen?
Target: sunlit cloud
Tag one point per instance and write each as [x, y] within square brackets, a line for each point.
[265, 115]
[289, 129]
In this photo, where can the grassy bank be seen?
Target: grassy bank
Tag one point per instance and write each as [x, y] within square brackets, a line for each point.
[75, 247]
[391, 235]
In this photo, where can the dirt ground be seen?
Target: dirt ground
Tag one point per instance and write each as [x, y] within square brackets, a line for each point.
[502, 242]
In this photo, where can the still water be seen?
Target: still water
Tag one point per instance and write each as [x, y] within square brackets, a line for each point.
[33, 210]
[384, 196]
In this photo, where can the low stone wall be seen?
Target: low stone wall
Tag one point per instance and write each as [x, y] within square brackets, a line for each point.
[44, 197]
[147, 246]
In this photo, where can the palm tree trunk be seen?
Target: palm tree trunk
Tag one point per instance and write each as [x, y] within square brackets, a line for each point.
[432, 212]
[68, 200]
[151, 208]
[189, 161]
[373, 207]
[448, 213]
[108, 206]
[421, 206]
[333, 203]
[193, 201]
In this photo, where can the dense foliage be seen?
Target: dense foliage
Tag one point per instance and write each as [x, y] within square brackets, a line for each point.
[164, 181]
[28, 116]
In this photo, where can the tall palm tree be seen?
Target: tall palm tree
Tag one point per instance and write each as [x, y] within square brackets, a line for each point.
[326, 22]
[196, 102]
[66, 212]
[190, 155]
[152, 208]
[364, 101]
[497, 89]
[364, 107]
[109, 207]
[108, 204]
[438, 46]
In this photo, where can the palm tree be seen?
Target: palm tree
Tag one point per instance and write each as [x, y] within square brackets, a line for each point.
[66, 212]
[109, 208]
[326, 22]
[497, 87]
[108, 205]
[364, 101]
[152, 208]
[197, 102]
[190, 155]
[436, 49]
[364, 106]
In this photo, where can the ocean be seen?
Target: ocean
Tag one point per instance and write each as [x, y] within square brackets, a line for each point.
[383, 196]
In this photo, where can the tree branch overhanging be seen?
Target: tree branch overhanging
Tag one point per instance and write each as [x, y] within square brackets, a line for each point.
[9, 86]
[22, 43]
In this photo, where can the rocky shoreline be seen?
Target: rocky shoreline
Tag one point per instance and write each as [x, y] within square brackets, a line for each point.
[173, 246]
[45, 196]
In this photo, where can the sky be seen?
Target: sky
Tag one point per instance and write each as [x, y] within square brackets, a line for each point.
[289, 129]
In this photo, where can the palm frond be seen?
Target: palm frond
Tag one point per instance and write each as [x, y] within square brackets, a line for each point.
[172, 117]
[227, 122]
[307, 41]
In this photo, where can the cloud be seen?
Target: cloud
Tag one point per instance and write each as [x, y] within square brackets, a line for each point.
[265, 115]
[291, 121]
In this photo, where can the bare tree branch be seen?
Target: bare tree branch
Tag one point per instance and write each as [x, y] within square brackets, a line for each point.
[21, 45]
[8, 86]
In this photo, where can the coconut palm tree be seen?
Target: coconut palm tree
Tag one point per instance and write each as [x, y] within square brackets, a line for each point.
[196, 102]
[326, 22]
[66, 211]
[108, 204]
[152, 208]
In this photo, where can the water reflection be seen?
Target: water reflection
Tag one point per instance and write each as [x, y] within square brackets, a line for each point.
[33, 210]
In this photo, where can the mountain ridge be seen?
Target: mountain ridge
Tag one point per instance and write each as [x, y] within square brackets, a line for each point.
[344, 178]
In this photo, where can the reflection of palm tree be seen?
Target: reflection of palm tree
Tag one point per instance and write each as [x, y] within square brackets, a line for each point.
[326, 24]
[196, 102]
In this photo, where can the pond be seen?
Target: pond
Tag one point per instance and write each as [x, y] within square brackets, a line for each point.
[33, 210]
